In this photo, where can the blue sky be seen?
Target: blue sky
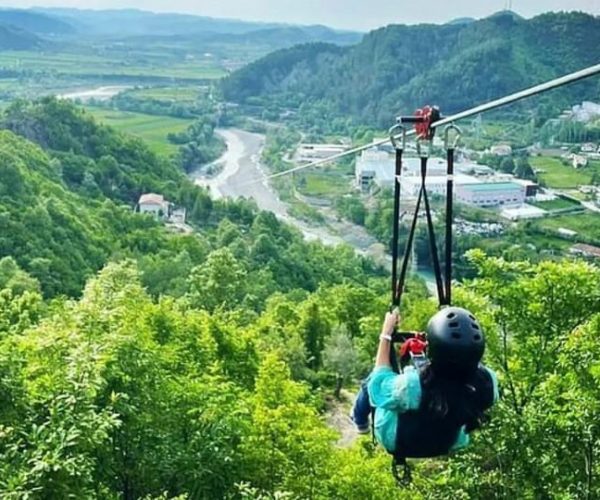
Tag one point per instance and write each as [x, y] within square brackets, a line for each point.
[350, 14]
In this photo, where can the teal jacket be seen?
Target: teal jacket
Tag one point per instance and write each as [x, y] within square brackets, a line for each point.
[393, 393]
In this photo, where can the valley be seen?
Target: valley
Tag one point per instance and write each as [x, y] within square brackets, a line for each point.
[188, 305]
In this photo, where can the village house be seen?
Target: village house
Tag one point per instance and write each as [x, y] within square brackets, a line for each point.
[579, 161]
[501, 150]
[155, 205]
[584, 250]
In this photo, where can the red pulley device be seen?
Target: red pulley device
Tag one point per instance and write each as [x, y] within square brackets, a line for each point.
[427, 116]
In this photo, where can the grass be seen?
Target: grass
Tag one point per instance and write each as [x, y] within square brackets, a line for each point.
[558, 176]
[587, 225]
[558, 204]
[323, 184]
[91, 64]
[152, 129]
[171, 94]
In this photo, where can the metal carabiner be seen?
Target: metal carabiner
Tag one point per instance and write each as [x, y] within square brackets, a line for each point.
[420, 152]
[394, 136]
[447, 131]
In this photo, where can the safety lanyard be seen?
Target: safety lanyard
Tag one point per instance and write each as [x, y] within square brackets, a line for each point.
[443, 280]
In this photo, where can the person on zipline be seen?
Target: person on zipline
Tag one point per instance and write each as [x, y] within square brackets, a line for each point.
[429, 410]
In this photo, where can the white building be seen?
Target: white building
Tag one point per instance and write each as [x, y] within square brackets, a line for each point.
[375, 167]
[585, 112]
[154, 204]
[579, 161]
[311, 152]
[435, 166]
[491, 194]
[436, 184]
[522, 212]
[501, 150]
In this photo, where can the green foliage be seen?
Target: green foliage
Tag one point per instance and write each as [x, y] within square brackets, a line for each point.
[402, 67]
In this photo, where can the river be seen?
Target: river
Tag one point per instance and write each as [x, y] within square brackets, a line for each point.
[242, 175]
[98, 93]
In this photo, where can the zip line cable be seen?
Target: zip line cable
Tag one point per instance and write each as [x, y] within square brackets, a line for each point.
[503, 101]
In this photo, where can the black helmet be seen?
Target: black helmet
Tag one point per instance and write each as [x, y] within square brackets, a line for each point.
[455, 341]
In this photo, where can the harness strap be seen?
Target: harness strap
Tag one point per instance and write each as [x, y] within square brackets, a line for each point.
[449, 220]
[432, 240]
[396, 228]
[406, 478]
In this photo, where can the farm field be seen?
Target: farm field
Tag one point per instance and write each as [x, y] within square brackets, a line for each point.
[558, 204]
[559, 176]
[172, 94]
[587, 225]
[152, 129]
[92, 64]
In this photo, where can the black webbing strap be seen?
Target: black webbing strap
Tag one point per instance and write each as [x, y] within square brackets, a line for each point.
[396, 229]
[432, 240]
[449, 220]
[395, 248]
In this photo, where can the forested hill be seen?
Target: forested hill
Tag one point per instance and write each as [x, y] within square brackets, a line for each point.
[35, 22]
[12, 38]
[202, 365]
[404, 67]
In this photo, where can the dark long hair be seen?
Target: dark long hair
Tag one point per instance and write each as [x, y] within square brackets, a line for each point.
[448, 395]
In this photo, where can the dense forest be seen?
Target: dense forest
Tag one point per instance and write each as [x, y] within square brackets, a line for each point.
[140, 363]
[403, 67]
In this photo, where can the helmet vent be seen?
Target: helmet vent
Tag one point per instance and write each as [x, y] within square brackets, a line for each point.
[475, 325]
[451, 315]
[454, 324]
[477, 337]
[472, 317]
[456, 335]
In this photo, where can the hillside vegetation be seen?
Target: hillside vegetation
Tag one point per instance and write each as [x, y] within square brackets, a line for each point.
[404, 67]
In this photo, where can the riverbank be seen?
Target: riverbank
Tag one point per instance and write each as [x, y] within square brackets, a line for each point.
[242, 175]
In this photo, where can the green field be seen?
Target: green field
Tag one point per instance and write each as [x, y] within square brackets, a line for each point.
[587, 225]
[91, 64]
[558, 204]
[559, 176]
[171, 94]
[325, 184]
[152, 129]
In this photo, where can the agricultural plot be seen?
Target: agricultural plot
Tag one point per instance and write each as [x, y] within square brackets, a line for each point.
[152, 129]
[171, 94]
[587, 225]
[556, 175]
[84, 64]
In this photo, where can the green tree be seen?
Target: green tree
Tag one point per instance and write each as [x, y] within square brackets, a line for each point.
[219, 282]
[340, 358]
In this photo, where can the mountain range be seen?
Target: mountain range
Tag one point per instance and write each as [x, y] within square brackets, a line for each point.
[401, 67]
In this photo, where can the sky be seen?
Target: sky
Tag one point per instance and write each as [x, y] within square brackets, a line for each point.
[346, 14]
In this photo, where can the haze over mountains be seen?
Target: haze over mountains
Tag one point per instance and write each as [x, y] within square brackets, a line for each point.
[133, 23]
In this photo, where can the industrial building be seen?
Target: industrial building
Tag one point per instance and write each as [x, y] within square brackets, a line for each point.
[491, 194]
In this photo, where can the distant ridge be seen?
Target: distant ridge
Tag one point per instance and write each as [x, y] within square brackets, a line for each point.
[133, 22]
[12, 38]
[35, 22]
[462, 20]
[399, 67]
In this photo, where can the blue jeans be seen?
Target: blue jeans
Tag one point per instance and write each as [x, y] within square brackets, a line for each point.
[361, 410]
